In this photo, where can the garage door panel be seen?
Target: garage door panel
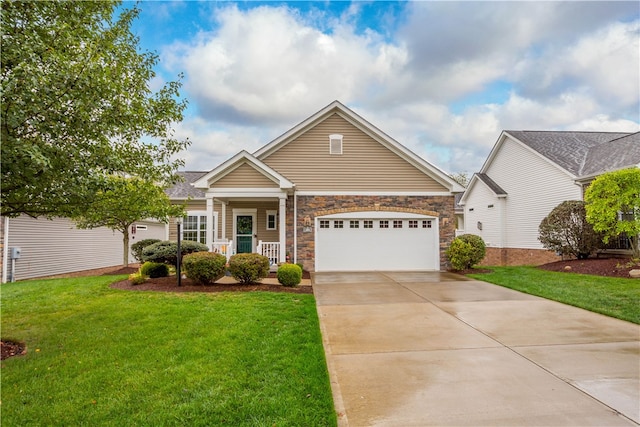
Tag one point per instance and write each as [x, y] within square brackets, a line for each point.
[346, 245]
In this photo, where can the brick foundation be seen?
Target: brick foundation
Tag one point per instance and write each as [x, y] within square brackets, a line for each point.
[516, 256]
[309, 207]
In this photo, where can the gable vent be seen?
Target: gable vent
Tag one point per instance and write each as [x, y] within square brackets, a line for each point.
[335, 144]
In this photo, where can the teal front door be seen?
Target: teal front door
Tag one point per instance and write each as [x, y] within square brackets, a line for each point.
[244, 234]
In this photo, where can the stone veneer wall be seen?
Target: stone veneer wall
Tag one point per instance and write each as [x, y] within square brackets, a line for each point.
[312, 206]
[516, 256]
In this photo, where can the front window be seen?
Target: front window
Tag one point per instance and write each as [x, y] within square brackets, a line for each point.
[272, 220]
[194, 228]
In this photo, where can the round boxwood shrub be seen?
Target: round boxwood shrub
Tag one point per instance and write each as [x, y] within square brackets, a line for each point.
[138, 247]
[466, 251]
[166, 251]
[154, 269]
[204, 267]
[289, 275]
[248, 268]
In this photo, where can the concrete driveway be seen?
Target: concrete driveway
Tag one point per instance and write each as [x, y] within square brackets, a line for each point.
[418, 349]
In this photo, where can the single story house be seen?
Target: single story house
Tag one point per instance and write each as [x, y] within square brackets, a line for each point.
[333, 193]
[526, 175]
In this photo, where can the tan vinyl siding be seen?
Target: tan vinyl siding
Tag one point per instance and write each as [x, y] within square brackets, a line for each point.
[364, 165]
[57, 247]
[244, 176]
[261, 216]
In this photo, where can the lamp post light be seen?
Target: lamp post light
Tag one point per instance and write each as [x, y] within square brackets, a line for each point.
[179, 255]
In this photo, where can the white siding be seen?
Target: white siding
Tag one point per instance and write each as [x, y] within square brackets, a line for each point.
[533, 186]
[57, 247]
[477, 210]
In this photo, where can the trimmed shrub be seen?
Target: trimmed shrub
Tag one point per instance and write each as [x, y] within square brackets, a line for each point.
[138, 247]
[465, 251]
[166, 251]
[137, 278]
[154, 269]
[289, 275]
[204, 267]
[248, 268]
[566, 230]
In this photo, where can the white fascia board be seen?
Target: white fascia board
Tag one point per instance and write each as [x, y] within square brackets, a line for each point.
[235, 162]
[472, 183]
[403, 152]
[283, 139]
[234, 193]
[373, 193]
[369, 129]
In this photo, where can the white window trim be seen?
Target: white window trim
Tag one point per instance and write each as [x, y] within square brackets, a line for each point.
[196, 214]
[273, 213]
[335, 139]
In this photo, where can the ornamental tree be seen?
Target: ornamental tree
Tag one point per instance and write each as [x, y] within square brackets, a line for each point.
[123, 202]
[567, 231]
[613, 205]
[77, 106]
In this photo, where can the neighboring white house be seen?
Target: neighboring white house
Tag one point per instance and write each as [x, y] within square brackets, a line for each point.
[526, 175]
[51, 247]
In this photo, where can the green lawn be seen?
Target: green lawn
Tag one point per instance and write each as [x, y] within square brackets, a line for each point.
[611, 296]
[100, 356]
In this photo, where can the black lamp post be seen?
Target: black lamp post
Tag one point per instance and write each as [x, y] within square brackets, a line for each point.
[179, 255]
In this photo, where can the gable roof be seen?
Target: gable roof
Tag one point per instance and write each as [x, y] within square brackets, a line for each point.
[581, 153]
[184, 189]
[369, 129]
[236, 161]
[486, 180]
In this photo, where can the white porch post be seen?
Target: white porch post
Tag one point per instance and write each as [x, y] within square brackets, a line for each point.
[283, 229]
[223, 223]
[210, 219]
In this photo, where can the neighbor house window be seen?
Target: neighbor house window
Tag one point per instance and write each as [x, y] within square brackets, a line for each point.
[335, 144]
[194, 227]
[272, 220]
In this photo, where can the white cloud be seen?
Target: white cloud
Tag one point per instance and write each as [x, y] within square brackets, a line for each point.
[568, 66]
[267, 65]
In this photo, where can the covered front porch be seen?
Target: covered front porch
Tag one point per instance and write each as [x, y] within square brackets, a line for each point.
[245, 225]
[247, 202]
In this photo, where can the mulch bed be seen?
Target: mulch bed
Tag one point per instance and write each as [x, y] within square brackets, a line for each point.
[608, 267]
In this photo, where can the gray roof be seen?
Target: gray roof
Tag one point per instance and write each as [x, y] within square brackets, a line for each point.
[184, 190]
[491, 184]
[584, 153]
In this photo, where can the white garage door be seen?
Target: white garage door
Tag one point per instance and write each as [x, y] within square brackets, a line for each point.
[382, 241]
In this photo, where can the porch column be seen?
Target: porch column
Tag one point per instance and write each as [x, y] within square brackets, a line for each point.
[283, 229]
[210, 225]
[223, 224]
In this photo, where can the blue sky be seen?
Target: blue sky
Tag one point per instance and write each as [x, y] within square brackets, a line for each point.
[442, 78]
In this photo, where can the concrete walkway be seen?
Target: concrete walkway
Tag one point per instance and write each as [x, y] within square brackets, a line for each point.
[419, 349]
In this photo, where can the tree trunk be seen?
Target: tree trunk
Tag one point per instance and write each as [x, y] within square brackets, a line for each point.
[125, 247]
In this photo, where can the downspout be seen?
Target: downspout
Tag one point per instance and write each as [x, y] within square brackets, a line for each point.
[5, 250]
